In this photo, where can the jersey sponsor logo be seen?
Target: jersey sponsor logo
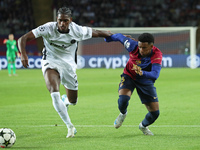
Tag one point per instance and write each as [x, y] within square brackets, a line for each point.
[126, 44]
[41, 28]
[60, 46]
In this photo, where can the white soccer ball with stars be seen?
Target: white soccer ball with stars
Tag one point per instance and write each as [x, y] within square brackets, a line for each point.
[7, 137]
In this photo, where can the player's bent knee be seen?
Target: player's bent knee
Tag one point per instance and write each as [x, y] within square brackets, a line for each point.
[123, 102]
[155, 114]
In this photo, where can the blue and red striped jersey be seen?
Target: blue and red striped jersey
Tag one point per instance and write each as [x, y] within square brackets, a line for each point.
[146, 63]
[150, 65]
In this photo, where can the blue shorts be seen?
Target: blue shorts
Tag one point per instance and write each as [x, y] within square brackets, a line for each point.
[146, 92]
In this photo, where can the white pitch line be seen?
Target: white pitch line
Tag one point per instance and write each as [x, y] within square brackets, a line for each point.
[161, 126]
[110, 126]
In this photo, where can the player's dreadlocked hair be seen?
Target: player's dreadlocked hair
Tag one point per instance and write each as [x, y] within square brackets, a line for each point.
[65, 11]
[146, 37]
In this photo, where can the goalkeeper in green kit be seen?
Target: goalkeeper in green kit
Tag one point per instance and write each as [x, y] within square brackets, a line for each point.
[11, 53]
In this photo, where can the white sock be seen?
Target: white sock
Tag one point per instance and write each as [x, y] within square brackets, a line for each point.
[61, 108]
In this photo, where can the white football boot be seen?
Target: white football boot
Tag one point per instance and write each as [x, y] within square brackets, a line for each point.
[145, 130]
[71, 132]
[120, 119]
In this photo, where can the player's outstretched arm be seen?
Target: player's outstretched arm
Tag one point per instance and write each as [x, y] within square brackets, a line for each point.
[101, 33]
[22, 44]
[116, 37]
[129, 43]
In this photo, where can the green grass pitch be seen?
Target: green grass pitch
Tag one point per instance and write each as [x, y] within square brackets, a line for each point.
[26, 107]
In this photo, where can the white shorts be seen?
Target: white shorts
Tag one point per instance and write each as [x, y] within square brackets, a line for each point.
[68, 75]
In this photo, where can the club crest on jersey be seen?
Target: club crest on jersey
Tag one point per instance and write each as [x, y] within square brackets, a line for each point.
[41, 28]
[138, 62]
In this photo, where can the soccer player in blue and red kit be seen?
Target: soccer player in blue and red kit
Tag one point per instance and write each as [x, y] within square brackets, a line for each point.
[140, 73]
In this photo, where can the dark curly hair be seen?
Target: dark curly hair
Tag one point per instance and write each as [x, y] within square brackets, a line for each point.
[146, 37]
[65, 11]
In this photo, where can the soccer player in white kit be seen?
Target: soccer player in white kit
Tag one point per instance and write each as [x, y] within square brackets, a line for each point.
[59, 58]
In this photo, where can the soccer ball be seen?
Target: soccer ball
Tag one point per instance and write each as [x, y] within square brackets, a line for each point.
[7, 137]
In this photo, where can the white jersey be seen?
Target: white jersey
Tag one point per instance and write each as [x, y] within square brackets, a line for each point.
[62, 47]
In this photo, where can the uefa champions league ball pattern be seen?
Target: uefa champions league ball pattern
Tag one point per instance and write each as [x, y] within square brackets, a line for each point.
[7, 137]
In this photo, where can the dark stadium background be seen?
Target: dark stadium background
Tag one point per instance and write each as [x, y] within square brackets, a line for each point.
[20, 16]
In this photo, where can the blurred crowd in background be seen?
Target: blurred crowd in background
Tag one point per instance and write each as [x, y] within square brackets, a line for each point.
[134, 13]
[16, 16]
